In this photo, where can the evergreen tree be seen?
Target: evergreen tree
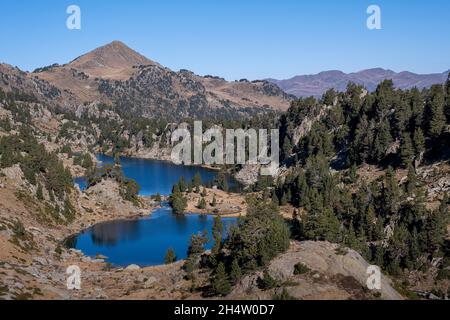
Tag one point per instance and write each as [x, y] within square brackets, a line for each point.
[383, 140]
[259, 236]
[435, 111]
[406, 150]
[221, 282]
[286, 147]
[414, 250]
[182, 184]
[195, 249]
[197, 244]
[221, 181]
[419, 142]
[170, 256]
[417, 107]
[201, 203]
[398, 248]
[362, 144]
[370, 223]
[217, 235]
[411, 182]
[379, 256]
[267, 282]
[301, 190]
[390, 193]
[177, 201]
[379, 230]
[447, 101]
[236, 272]
[353, 173]
[197, 180]
[436, 228]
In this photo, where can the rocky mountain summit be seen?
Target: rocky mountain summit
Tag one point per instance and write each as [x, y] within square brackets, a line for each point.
[115, 74]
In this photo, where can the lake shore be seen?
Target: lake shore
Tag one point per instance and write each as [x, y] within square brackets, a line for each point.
[229, 205]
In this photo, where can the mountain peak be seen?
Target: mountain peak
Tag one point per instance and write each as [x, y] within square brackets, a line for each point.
[113, 60]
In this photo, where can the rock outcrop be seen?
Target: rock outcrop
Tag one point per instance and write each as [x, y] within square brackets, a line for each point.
[335, 273]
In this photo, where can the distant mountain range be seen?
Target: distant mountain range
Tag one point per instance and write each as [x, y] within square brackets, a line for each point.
[318, 84]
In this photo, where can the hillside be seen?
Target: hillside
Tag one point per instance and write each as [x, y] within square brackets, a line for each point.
[115, 74]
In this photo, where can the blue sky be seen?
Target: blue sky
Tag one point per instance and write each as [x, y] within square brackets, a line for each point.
[235, 39]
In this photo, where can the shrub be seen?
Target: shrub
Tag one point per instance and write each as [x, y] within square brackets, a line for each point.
[300, 268]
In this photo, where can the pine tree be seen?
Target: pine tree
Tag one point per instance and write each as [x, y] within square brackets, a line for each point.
[417, 107]
[195, 249]
[382, 141]
[435, 111]
[214, 201]
[197, 180]
[217, 235]
[406, 150]
[419, 144]
[414, 250]
[379, 256]
[177, 201]
[398, 247]
[221, 181]
[390, 193]
[221, 283]
[379, 229]
[201, 203]
[436, 228]
[301, 195]
[370, 222]
[286, 148]
[447, 101]
[236, 272]
[197, 243]
[182, 184]
[411, 183]
[350, 239]
[362, 144]
[267, 282]
[170, 256]
[328, 226]
[189, 267]
[353, 173]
